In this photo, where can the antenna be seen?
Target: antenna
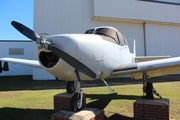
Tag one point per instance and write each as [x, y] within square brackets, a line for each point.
[134, 48]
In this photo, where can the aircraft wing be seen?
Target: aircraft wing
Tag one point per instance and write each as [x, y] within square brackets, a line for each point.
[31, 63]
[152, 68]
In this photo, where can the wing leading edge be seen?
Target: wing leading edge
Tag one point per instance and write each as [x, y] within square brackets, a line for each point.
[31, 63]
[151, 68]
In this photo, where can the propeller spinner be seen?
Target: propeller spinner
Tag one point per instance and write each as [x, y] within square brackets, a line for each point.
[48, 45]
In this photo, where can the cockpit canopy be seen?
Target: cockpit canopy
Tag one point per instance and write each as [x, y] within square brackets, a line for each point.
[110, 34]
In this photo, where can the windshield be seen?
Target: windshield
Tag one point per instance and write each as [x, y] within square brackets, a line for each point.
[90, 31]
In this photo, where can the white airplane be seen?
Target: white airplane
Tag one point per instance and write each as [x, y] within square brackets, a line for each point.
[100, 53]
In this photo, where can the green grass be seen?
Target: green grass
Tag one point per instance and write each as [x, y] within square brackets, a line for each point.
[22, 98]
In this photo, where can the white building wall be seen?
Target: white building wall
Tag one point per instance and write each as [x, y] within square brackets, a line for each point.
[67, 16]
[135, 10]
[163, 39]
[15, 69]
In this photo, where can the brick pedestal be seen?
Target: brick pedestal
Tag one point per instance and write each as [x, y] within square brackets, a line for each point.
[156, 109]
[62, 101]
[84, 114]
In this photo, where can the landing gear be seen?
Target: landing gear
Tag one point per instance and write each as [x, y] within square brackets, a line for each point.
[148, 88]
[145, 77]
[76, 103]
[77, 97]
[71, 86]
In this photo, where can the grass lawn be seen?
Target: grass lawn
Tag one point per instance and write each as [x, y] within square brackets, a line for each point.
[21, 98]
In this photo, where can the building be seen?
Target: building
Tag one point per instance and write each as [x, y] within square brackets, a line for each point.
[17, 49]
[154, 24]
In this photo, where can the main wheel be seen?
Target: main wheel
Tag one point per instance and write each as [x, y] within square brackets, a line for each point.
[70, 87]
[75, 102]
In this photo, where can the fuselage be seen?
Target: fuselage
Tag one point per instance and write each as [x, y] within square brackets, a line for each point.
[100, 55]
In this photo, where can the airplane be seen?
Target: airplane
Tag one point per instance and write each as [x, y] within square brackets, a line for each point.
[99, 53]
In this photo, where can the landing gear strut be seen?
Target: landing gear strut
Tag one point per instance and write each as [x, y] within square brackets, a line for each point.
[77, 97]
[145, 77]
[148, 88]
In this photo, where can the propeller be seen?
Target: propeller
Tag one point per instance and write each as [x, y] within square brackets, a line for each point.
[25, 31]
[49, 46]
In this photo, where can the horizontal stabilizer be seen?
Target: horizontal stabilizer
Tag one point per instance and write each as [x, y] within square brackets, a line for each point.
[149, 58]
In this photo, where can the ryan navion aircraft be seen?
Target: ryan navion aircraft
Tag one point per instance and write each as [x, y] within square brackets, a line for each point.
[100, 53]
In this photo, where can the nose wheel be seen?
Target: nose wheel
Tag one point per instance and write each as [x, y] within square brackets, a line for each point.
[71, 86]
[77, 97]
[76, 101]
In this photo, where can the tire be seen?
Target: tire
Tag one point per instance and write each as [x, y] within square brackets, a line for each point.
[70, 88]
[74, 102]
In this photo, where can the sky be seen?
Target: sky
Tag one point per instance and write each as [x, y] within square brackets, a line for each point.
[17, 10]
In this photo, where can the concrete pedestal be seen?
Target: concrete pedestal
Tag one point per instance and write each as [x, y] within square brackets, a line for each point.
[62, 101]
[156, 109]
[84, 114]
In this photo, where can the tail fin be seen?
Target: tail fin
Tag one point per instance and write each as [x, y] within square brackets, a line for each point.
[134, 48]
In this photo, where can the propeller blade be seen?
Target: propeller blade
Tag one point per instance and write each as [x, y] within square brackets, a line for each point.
[72, 61]
[25, 30]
